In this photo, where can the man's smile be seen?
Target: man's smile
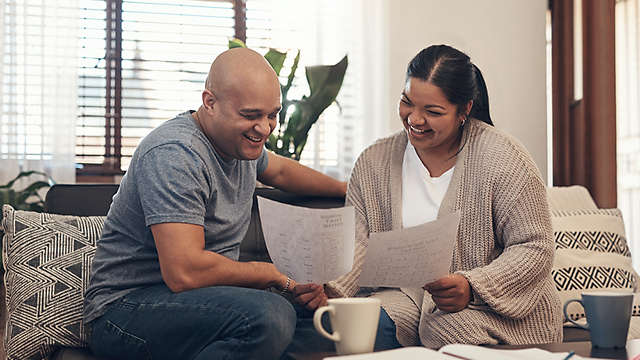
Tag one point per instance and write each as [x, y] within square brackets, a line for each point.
[253, 138]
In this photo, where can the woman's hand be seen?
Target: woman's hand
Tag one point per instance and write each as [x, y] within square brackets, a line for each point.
[451, 293]
[310, 295]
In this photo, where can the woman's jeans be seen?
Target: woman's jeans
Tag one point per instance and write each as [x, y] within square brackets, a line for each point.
[220, 322]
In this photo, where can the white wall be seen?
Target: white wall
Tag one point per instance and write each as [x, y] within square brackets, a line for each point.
[504, 38]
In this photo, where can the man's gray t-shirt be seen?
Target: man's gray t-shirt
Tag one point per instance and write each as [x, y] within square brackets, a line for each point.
[175, 175]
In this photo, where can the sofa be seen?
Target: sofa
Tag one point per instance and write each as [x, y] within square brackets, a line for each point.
[47, 258]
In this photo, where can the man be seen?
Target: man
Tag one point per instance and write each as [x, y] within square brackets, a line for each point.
[166, 283]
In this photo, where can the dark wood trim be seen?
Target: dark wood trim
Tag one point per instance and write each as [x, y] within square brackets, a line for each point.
[599, 75]
[98, 179]
[584, 131]
[93, 173]
[240, 26]
[108, 66]
[117, 114]
[562, 87]
[578, 145]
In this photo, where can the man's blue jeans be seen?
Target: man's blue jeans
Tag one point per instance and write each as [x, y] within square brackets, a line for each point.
[220, 322]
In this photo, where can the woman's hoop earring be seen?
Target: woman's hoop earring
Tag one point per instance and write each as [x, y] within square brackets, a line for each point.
[464, 120]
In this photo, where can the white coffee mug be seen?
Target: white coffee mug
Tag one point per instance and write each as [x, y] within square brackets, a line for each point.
[354, 322]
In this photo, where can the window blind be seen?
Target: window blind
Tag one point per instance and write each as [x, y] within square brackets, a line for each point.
[628, 118]
[167, 48]
[37, 76]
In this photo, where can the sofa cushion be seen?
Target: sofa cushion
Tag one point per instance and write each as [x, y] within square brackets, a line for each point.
[47, 259]
[574, 197]
[591, 254]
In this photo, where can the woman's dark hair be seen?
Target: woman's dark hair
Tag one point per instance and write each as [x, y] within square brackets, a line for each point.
[453, 72]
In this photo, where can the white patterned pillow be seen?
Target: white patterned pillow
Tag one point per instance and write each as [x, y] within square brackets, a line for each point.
[591, 255]
[47, 259]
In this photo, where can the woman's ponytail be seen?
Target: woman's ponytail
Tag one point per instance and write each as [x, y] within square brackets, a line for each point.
[480, 108]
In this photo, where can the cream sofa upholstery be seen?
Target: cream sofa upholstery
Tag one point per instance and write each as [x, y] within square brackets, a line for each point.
[576, 197]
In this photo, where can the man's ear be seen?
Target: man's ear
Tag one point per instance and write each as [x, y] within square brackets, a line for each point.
[208, 99]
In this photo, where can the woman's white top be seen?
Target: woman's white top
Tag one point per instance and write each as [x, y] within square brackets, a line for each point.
[421, 193]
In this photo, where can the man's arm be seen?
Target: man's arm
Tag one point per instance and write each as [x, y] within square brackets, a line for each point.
[291, 176]
[186, 265]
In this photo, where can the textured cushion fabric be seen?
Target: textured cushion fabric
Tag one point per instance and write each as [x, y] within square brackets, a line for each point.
[575, 197]
[591, 255]
[47, 259]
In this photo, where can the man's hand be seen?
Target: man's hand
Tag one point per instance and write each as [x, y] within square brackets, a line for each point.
[310, 295]
[279, 281]
[451, 293]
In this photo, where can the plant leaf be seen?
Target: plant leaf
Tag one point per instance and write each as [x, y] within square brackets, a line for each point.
[31, 190]
[292, 74]
[285, 89]
[34, 187]
[4, 196]
[338, 105]
[21, 175]
[325, 82]
[36, 206]
[235, 43]
[9, 197]
[276, 59]
[19, 199]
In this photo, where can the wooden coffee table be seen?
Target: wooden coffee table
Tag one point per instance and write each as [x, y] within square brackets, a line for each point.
[582, 348]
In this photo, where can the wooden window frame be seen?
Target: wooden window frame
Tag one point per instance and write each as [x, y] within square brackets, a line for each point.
[110, 169]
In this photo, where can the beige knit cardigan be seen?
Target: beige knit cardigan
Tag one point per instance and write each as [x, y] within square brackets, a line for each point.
[504, 246]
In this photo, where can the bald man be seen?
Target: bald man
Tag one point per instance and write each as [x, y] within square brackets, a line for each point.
[165, 281]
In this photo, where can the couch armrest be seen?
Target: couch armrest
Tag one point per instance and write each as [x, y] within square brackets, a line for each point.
[80, 199]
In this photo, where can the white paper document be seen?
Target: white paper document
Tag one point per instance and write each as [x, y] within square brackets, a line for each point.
[405, 353]
[459, 351]
[410, 257]
[308, 245]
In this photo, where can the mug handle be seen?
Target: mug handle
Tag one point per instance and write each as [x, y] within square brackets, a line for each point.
[564, 310]
[317, 323]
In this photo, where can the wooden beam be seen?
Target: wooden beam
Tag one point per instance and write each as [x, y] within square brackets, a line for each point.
[599, 78]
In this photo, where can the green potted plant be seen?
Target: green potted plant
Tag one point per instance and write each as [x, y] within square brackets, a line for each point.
[27, 198]
[325, 81]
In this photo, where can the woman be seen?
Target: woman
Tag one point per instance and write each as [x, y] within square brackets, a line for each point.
[450, 158]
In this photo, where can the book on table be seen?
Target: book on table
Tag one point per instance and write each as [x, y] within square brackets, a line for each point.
[459, 352]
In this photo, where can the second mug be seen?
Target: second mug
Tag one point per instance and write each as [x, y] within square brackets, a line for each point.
[608, 315]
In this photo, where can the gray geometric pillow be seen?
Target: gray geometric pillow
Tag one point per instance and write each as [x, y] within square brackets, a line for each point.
[47, 259]
[591, 255]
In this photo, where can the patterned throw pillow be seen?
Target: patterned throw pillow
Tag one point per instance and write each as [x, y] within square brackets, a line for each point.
[47, 260]
[591, 255]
